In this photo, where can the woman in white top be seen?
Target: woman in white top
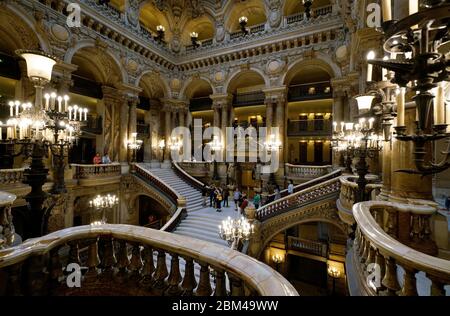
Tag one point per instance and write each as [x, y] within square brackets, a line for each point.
[290, 187]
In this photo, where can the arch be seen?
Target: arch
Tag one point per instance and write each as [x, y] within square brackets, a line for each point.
[233, 80]
[148, 206]
[254, 10]
[18, 30]
[106, 65]
[321, 61]
[202, 25]
[153, 83]
[321, 211]
[194, 84]
[151, 17]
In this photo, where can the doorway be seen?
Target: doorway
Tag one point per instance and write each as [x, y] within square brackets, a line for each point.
[318, 153]
[303, 153]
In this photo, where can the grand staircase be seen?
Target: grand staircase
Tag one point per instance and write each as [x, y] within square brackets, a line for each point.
[200, 222]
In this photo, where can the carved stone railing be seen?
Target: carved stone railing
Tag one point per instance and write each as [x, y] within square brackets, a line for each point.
[305, 185]
[153, 180]
[7, 231]
[349, 194]
[308, 246]
[124, 253]
[306, 172]
[323, 190]
[378, 247]
[196, 169]
[10, 177]
[184, 174]
[94, 175]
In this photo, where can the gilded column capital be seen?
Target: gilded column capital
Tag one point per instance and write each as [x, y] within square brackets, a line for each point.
[275, 95]
[220, 101]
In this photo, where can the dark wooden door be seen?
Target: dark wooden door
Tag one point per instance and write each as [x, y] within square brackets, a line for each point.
[303, 156]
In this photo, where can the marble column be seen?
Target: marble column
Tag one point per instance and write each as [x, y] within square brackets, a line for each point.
[123, 135]
[182, 118]
[168, 131]
[115, 113]
[149, 144]
[216, 120]
[132, 122]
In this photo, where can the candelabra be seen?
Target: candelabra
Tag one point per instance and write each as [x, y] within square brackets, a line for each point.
[194, 39]
[362, 141]
[134, 145]
[307, 4]
[39, 127]
[417, 45]
[102, 203]
[271, 145]
[243, 20]
[335, 274]
[234, 230]
[160, 30]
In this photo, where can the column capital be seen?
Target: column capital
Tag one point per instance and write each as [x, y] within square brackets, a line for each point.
[221, 100]
[174, 105]
[112, 95]
[275, 94]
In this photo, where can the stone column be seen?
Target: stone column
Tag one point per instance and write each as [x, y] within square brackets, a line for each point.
[132, 121]
[123, 134]
[149, 144]
[115, 109]
[182, 116]
[168, 131]
[216, 121]
[276, 97]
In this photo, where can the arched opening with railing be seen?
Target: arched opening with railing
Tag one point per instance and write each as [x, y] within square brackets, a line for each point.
[309, 113]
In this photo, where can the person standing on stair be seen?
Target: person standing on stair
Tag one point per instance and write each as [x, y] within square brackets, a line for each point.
[257, 200]
[290, 187]
[226, 196]
[244, 203]
[236, 198]
[219, 197]
[212, 189]
[204, 194]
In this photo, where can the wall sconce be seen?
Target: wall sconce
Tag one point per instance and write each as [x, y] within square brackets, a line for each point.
[194, 39]
[243, 20]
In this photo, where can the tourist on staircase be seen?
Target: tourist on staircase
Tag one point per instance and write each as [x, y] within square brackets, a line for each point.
[205, 193]
[226, 196]
[244, 203]
[291, 187]
[212, 190]
[257, 200]
[236, 198]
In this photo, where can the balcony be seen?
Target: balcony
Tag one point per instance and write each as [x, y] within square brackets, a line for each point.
[200, 104]
[302, 172]
[204, 44]
[253, 30]
[94, 175]
[248, 99]
[318, 127]
[299, 17]
[310, 91]
[315, 248]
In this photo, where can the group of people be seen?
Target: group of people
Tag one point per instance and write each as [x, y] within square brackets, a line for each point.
[101, 160]
[219, 197]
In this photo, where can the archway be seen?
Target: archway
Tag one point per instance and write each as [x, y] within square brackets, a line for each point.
[95, 68]
[149, 116]
[309, 113]
[248, 109]
[254, 10]
[303, 253]
[151, 213]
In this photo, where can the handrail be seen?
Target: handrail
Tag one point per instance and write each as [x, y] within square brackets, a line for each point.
[186, 176]
[319, 170]
[243, 270]
[302, 186]
[83, 171]
[157, 182]
[300, 198]
[373, 244]
[10, 176]
[176, 218]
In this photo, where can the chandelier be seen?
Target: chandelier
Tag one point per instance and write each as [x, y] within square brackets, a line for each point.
[420, 61]
[102, 203]
[272, 144]
[234, 230]
[134, 145]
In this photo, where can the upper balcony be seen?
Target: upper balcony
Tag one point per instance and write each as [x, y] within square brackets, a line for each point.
[317, 127]
[310, 91]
